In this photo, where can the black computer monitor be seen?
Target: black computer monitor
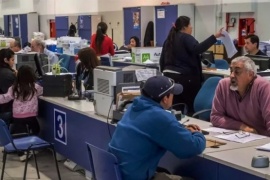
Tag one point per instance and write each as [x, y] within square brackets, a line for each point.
[262, 62]
[39, 64]
[208, 58]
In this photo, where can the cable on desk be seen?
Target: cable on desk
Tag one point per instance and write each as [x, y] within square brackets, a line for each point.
[108, 119]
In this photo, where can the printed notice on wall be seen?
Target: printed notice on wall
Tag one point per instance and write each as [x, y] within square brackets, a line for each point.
[160, 13]
[136, 20]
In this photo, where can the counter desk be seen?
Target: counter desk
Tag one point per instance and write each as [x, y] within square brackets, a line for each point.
[69, 124]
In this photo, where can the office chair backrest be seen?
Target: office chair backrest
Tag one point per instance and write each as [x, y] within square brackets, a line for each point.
[204, 98]
[106, 61]
[221, 64]
[105, 164]
[5, 137]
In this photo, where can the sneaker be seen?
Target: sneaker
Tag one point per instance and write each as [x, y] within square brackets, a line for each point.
[23, 157]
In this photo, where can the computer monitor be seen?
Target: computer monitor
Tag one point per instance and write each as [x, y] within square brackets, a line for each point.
[38, 66]
[208, 58]
[262, 62]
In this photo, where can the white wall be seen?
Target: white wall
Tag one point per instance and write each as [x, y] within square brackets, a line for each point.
[65, 7]
[16, 6]
[114, 19]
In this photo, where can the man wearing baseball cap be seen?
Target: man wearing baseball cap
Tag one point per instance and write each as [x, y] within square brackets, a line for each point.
[147, 131]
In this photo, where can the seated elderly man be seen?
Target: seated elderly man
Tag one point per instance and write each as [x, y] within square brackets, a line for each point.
[15, 46]
[39, 46]
[242, 101]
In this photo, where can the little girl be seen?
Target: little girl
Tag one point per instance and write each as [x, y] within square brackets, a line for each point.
[25, 94]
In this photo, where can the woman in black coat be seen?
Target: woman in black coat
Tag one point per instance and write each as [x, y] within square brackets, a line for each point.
[180, 59]
[7, 78]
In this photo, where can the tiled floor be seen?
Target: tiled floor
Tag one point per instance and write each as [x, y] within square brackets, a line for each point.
[14, 168]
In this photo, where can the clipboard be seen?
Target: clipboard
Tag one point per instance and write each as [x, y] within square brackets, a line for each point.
[211, 143]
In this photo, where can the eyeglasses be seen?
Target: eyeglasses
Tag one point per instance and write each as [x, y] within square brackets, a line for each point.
[242, 134]
[237, 71]
[167, 90]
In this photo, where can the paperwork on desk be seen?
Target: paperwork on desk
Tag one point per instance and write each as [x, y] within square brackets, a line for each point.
[228, 43]
[144, 74]
[265, 147]
[232, 135]
[237, 137]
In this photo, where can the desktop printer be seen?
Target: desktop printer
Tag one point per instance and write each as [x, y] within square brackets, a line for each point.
[106, 82]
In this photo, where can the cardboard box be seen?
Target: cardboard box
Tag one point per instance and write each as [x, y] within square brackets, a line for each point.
[212, 48]
[142, 54]
[219, 56]
[219, 49]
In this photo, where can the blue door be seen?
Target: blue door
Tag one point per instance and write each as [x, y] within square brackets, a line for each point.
[165, 16]
[61, 26]
[23, 28]
[84, 27]
[6, 25]
[132, 23]
[15, 25]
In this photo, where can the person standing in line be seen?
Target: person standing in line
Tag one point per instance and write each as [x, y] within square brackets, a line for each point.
[100, 41]
[180, 59]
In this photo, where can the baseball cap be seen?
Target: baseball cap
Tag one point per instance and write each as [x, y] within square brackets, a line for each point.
[158, 86]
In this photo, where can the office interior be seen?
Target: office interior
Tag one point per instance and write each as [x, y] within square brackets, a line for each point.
[87, 122]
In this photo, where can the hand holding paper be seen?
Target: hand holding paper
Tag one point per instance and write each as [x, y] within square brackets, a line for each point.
[228, 43]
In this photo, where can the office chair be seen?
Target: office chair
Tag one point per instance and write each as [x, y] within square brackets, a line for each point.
[221, 64]
[115, 46]
[204, 98]
[64, 61]
[106, 60]
[24, 144]
[104, 164]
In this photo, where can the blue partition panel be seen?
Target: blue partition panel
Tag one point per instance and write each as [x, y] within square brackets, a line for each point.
[84, 27]
[24, 31]
[6, 25]
[15, 25]
[132, 23]
[164, 23]
[61, 25]
[69, 130]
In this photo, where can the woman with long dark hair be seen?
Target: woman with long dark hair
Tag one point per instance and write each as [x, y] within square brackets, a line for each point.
[100, 42]
[180, 59]
[88, 61]
[7, 78]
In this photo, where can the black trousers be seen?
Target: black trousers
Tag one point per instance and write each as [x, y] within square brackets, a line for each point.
[191, 86]
[20, 125]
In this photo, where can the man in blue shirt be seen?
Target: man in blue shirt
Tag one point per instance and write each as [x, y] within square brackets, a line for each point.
[147, 131]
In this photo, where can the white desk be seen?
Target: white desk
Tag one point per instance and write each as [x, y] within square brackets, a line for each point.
[83, 125]
[240, 159]
[80, 106]
[229, 145]
[217, 72]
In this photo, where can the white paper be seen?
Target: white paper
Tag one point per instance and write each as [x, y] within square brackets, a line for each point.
[219, 130]
[242, 139]
[228, 43]
[265, 147]
[161, 13]
[144, 74]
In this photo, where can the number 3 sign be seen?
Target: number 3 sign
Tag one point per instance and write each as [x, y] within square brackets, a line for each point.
[60, 126]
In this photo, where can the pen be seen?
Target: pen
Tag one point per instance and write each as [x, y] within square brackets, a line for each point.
[185, 121]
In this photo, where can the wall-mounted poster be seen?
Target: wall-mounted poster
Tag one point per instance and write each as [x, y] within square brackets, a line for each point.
[136, 20]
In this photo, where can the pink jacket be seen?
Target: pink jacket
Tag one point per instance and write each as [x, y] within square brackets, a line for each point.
[23, 109]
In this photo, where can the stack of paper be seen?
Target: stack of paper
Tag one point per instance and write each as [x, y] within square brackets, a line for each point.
[265, 147]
